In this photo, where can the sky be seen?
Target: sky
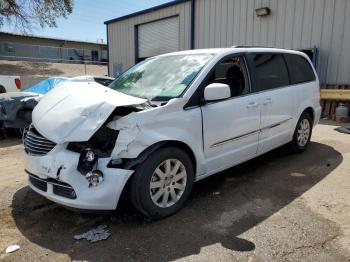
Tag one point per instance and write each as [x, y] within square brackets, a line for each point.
[86, 23]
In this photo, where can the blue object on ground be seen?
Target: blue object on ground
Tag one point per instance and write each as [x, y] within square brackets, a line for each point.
[45, 86]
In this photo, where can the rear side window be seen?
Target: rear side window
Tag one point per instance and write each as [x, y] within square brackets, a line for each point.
[270, 71]
[300, 70]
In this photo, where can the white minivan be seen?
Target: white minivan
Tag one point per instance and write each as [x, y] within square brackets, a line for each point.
[167, 122]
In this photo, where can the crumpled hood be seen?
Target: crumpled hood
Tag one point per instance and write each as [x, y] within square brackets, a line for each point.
[74, 111]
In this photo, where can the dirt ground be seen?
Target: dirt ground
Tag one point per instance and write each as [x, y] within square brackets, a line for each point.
[278, 207]
[33, 72]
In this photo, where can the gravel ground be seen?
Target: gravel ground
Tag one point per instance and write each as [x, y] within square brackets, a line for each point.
[278, 207]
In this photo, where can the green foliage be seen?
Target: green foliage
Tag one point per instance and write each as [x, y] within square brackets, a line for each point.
[25, 14]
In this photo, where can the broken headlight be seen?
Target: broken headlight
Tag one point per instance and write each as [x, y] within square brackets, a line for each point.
[99, 145]
[87, 161]
[102, 142]
[87, 166]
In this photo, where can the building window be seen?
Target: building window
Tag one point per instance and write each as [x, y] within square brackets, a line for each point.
[9, 48]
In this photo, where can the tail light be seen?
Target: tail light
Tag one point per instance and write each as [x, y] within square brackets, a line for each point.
[18, 83]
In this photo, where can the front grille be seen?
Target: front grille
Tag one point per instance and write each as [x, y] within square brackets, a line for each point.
[59, 188]
[38, 183]
[64, 191]
[35, 144]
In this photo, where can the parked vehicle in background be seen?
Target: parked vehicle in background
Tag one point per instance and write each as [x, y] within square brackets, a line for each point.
[16, 107]
[9, 84]
[167, 122]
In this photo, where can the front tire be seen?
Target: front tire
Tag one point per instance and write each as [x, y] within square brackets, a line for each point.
[302, 133]
[162, 183]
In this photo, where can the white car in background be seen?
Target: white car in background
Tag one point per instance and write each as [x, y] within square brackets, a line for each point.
[9, 84]
[167, 122]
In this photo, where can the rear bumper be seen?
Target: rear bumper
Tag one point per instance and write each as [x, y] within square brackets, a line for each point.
[68, 187]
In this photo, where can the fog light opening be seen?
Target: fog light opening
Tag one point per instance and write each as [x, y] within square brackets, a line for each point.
[94, 177]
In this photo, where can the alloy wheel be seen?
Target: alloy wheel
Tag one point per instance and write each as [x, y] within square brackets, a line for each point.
[168, 183]
[303, 132]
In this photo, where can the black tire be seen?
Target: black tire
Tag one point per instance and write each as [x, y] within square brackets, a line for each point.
[2, 90]
[140, 192]
[296, 146]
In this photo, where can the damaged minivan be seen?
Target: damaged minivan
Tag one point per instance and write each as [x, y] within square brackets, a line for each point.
[166, 123]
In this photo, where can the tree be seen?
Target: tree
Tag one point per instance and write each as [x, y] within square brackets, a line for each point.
[25, 14]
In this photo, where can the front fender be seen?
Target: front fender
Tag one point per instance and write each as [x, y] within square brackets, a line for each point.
[141, 130]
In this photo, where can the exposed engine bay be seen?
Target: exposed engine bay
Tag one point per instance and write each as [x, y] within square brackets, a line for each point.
[101, 145]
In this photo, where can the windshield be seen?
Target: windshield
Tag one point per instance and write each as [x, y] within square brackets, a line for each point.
[161, 78]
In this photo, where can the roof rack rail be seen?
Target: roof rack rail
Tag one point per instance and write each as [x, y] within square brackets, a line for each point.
[249, 46]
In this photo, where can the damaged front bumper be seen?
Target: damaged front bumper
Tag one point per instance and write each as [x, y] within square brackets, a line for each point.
[55, 177]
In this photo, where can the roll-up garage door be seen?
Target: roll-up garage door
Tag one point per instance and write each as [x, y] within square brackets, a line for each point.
[158, 37]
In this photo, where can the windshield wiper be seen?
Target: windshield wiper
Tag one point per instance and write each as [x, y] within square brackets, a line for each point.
[149, 101]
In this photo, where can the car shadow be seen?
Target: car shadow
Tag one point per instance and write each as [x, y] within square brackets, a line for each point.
[329, 122]
[220, 209]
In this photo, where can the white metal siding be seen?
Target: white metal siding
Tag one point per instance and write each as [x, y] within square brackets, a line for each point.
[121, 34]
[292, 24]
[158, 37]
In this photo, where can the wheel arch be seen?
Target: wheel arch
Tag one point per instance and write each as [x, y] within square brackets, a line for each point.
[311, 112]
[184, 147]
[130, 164]
[161, 144]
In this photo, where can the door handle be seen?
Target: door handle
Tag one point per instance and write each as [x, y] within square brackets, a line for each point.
[267, 101]
[252, 104]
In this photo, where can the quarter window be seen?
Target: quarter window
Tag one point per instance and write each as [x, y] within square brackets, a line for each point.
[300, 70]
[270, 71]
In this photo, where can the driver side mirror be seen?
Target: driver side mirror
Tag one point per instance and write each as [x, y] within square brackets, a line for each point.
[216, 91]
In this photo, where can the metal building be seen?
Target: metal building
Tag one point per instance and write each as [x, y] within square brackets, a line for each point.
[35, 48]
[319, 27]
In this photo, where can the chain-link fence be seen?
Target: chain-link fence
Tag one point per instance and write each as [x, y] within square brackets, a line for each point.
[37, 62]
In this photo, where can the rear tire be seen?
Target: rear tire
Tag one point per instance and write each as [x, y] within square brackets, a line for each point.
[2, 90]
[162, 183]
[302, 133]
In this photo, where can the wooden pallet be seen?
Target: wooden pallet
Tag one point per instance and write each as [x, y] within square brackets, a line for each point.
[329, 106]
